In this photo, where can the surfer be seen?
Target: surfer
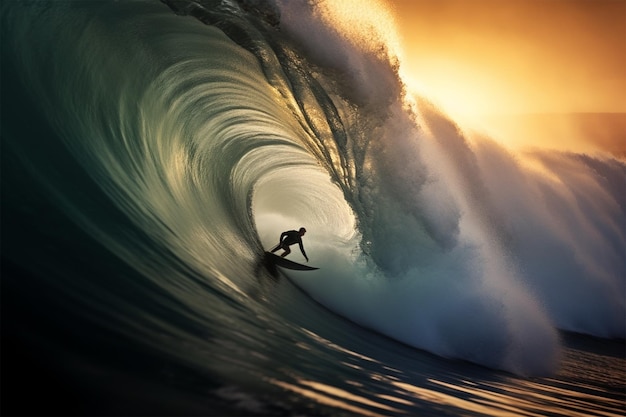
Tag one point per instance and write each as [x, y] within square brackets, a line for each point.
[289, 238]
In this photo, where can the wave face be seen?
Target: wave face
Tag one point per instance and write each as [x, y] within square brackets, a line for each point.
[183, 146]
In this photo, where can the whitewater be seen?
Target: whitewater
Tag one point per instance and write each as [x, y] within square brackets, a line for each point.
[152, 151]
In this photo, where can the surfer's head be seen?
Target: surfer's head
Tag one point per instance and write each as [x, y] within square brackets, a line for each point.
[302, 231]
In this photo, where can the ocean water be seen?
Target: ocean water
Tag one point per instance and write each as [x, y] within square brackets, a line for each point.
[151, 151]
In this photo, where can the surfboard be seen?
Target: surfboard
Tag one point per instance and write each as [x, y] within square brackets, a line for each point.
[276, 260]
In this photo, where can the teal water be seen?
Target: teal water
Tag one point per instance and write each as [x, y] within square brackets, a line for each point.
[150, 154]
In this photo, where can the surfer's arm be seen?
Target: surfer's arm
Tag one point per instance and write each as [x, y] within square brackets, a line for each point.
[302, 250]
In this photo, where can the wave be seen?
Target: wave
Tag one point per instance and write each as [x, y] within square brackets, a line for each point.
[213, 138]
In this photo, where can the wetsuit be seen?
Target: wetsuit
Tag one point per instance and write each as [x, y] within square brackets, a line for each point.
[289, 238]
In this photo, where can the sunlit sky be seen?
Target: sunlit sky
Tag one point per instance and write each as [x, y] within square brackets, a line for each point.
[526, 72]
[516, 56]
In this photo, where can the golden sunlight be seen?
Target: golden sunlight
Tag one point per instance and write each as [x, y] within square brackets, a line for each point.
[363, 20]
[495, 62]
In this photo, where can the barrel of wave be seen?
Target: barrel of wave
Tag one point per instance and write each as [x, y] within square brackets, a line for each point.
[303, 195]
